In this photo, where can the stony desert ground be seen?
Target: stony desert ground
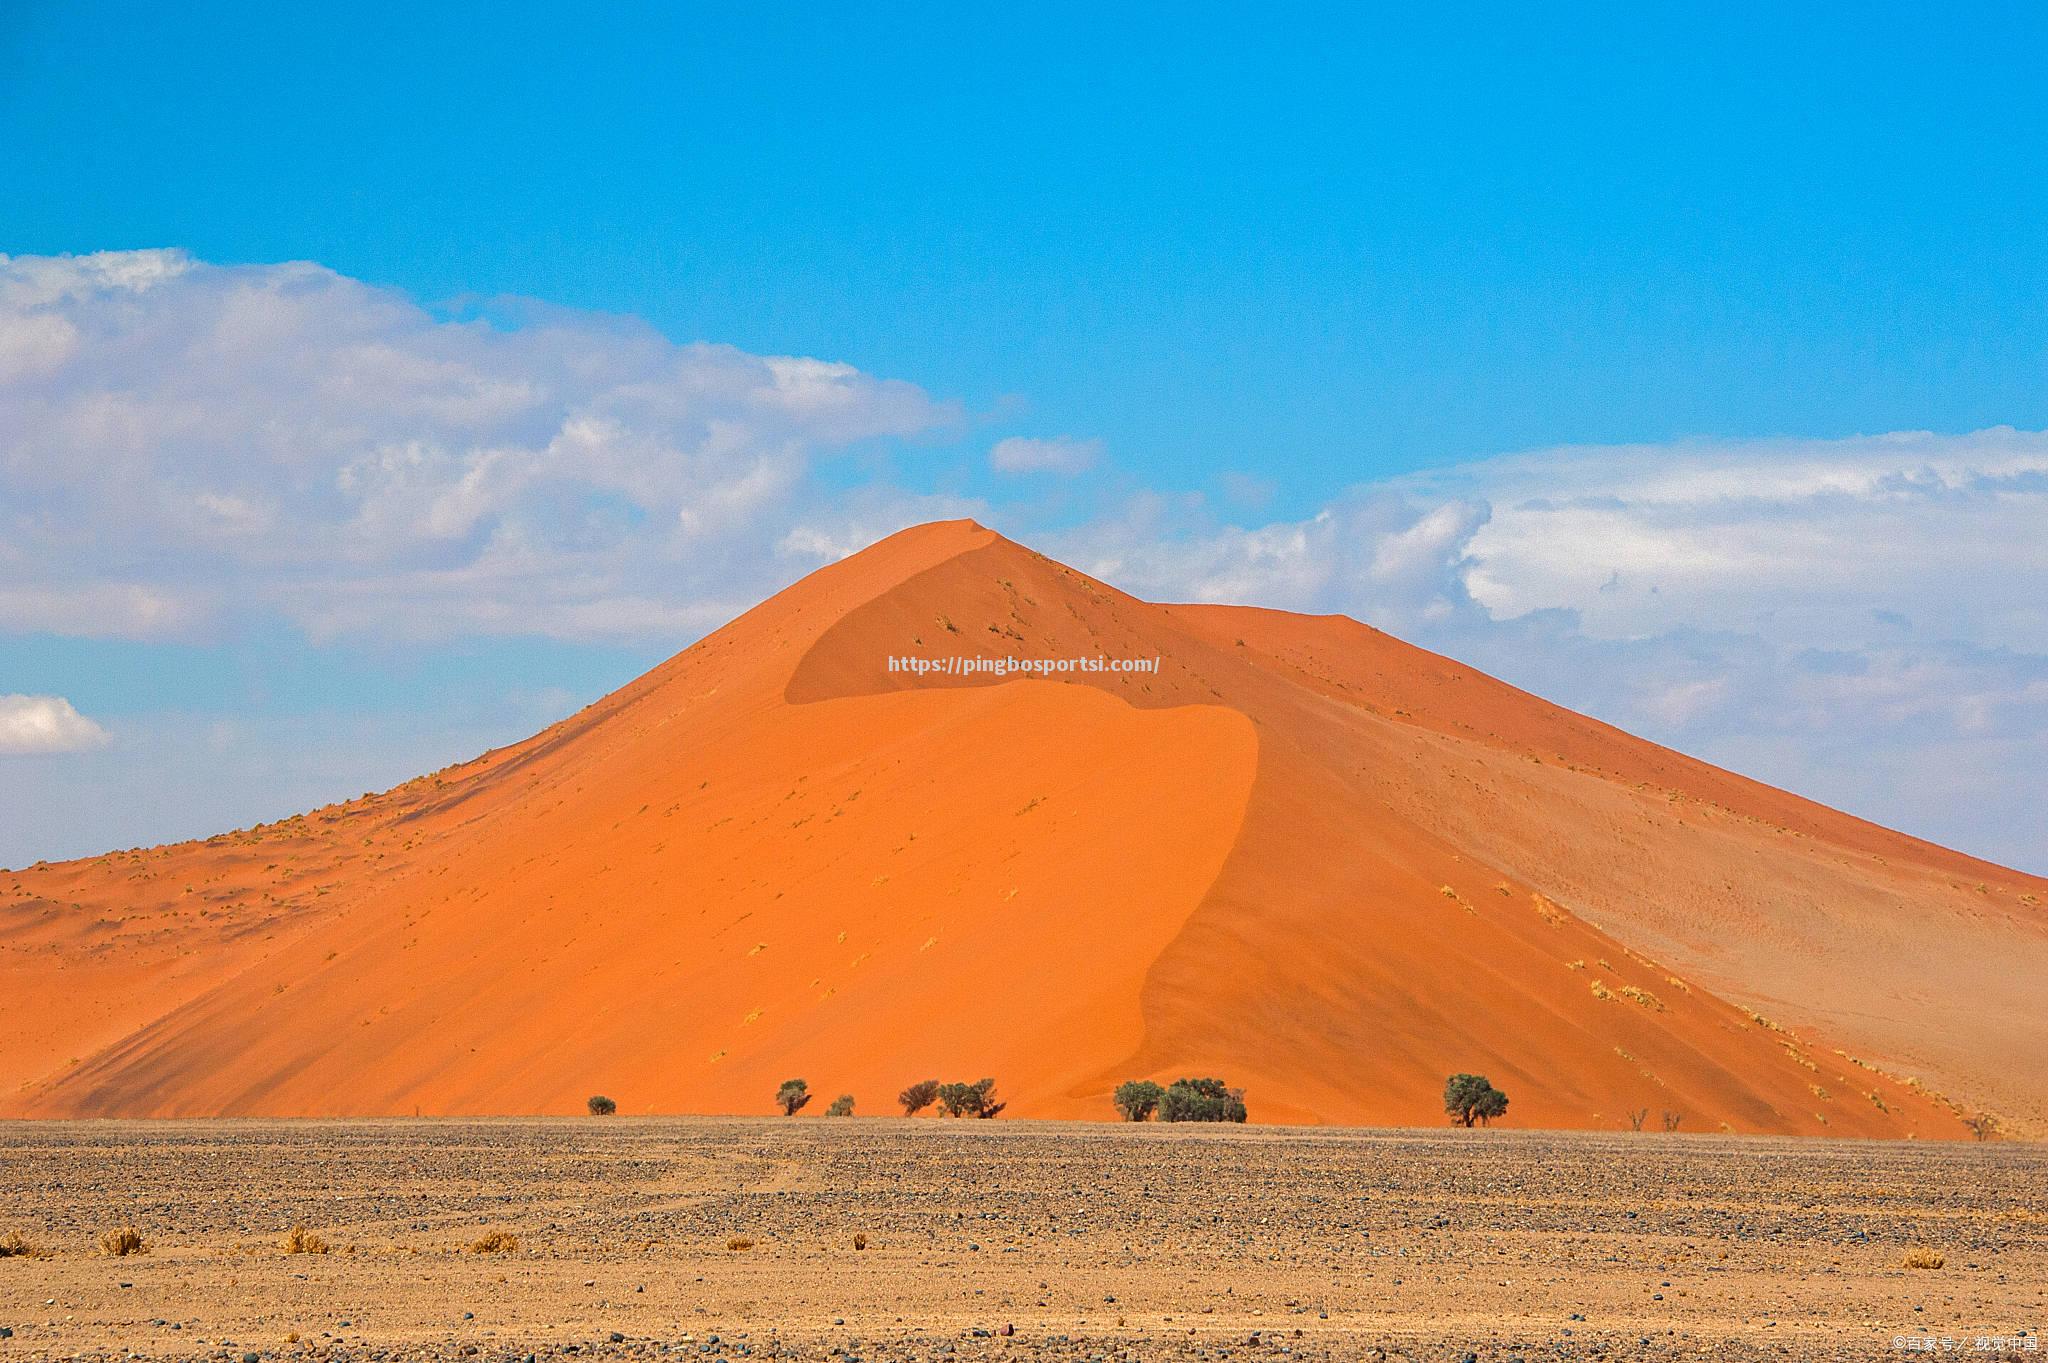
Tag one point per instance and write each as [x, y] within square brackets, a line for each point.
[741, 1239]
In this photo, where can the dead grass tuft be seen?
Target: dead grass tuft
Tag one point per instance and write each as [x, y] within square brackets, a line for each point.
[299, 1240]
[20, 1247]
[738, 1243]
[495, 1242]
[1642, 996]
[860, 1240]
[120, 1243]
[1923, 1258]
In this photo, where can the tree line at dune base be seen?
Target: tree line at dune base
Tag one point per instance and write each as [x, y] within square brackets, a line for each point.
[1469, 1099]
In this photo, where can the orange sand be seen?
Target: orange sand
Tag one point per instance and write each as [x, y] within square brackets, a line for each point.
[1321, 863]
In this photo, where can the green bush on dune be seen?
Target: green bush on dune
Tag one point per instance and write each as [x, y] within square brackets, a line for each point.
[1201, 1100]
[793, 1094]
[1137, 1099]
[970, 1100]
[1470, 1098]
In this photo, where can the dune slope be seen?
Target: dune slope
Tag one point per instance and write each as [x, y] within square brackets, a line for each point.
[1302, 855]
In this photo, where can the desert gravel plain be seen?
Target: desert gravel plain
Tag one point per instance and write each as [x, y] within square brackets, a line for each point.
[736, 1239]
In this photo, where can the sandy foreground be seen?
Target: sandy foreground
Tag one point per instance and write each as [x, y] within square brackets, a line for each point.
[1006, 1239]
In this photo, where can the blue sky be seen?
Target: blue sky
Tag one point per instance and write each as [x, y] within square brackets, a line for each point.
[1334, 310]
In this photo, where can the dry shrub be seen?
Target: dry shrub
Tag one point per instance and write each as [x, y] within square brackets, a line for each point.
[495, 1242]
[18, 1247]
[860, 1240]
[738, 1243]
[299, 1240]
[123, 1242]
[1922, 1258]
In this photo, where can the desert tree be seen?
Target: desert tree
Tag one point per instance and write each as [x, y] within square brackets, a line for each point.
[1672, 1119]
[984, 1104]
[842, 1106]
[601, 1106]
[1983, 1126]
[793, 1094]
[1137, 1098]
[919, 1096]
[1201, 1100]
[1472, 1098]
[970, 1100]
[1635, 1117]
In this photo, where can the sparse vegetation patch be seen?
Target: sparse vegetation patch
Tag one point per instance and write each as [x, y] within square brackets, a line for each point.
[977, 1099]
[119, 1244]
[1137, 1099]
[1201, 1100]
[14, 1246]
[1643, 996]
[1472, 1098]
[299, 1240]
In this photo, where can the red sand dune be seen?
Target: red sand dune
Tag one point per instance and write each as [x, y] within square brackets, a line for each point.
[1306, 857]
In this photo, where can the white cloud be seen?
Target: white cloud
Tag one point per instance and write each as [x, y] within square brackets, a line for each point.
[1246, 490]
[865, 515]
[1371, 553]
[285, 439]
[193, 773]
[1809, 612]
[1062, 455]
[45, 724]
[1796, 540]
[183, 444]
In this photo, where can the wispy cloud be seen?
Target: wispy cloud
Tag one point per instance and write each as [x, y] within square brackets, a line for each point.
[1862, 620]
[287, 438]
[45, 724]
[1813, 613]
[1797, 540]
[1063, 455]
